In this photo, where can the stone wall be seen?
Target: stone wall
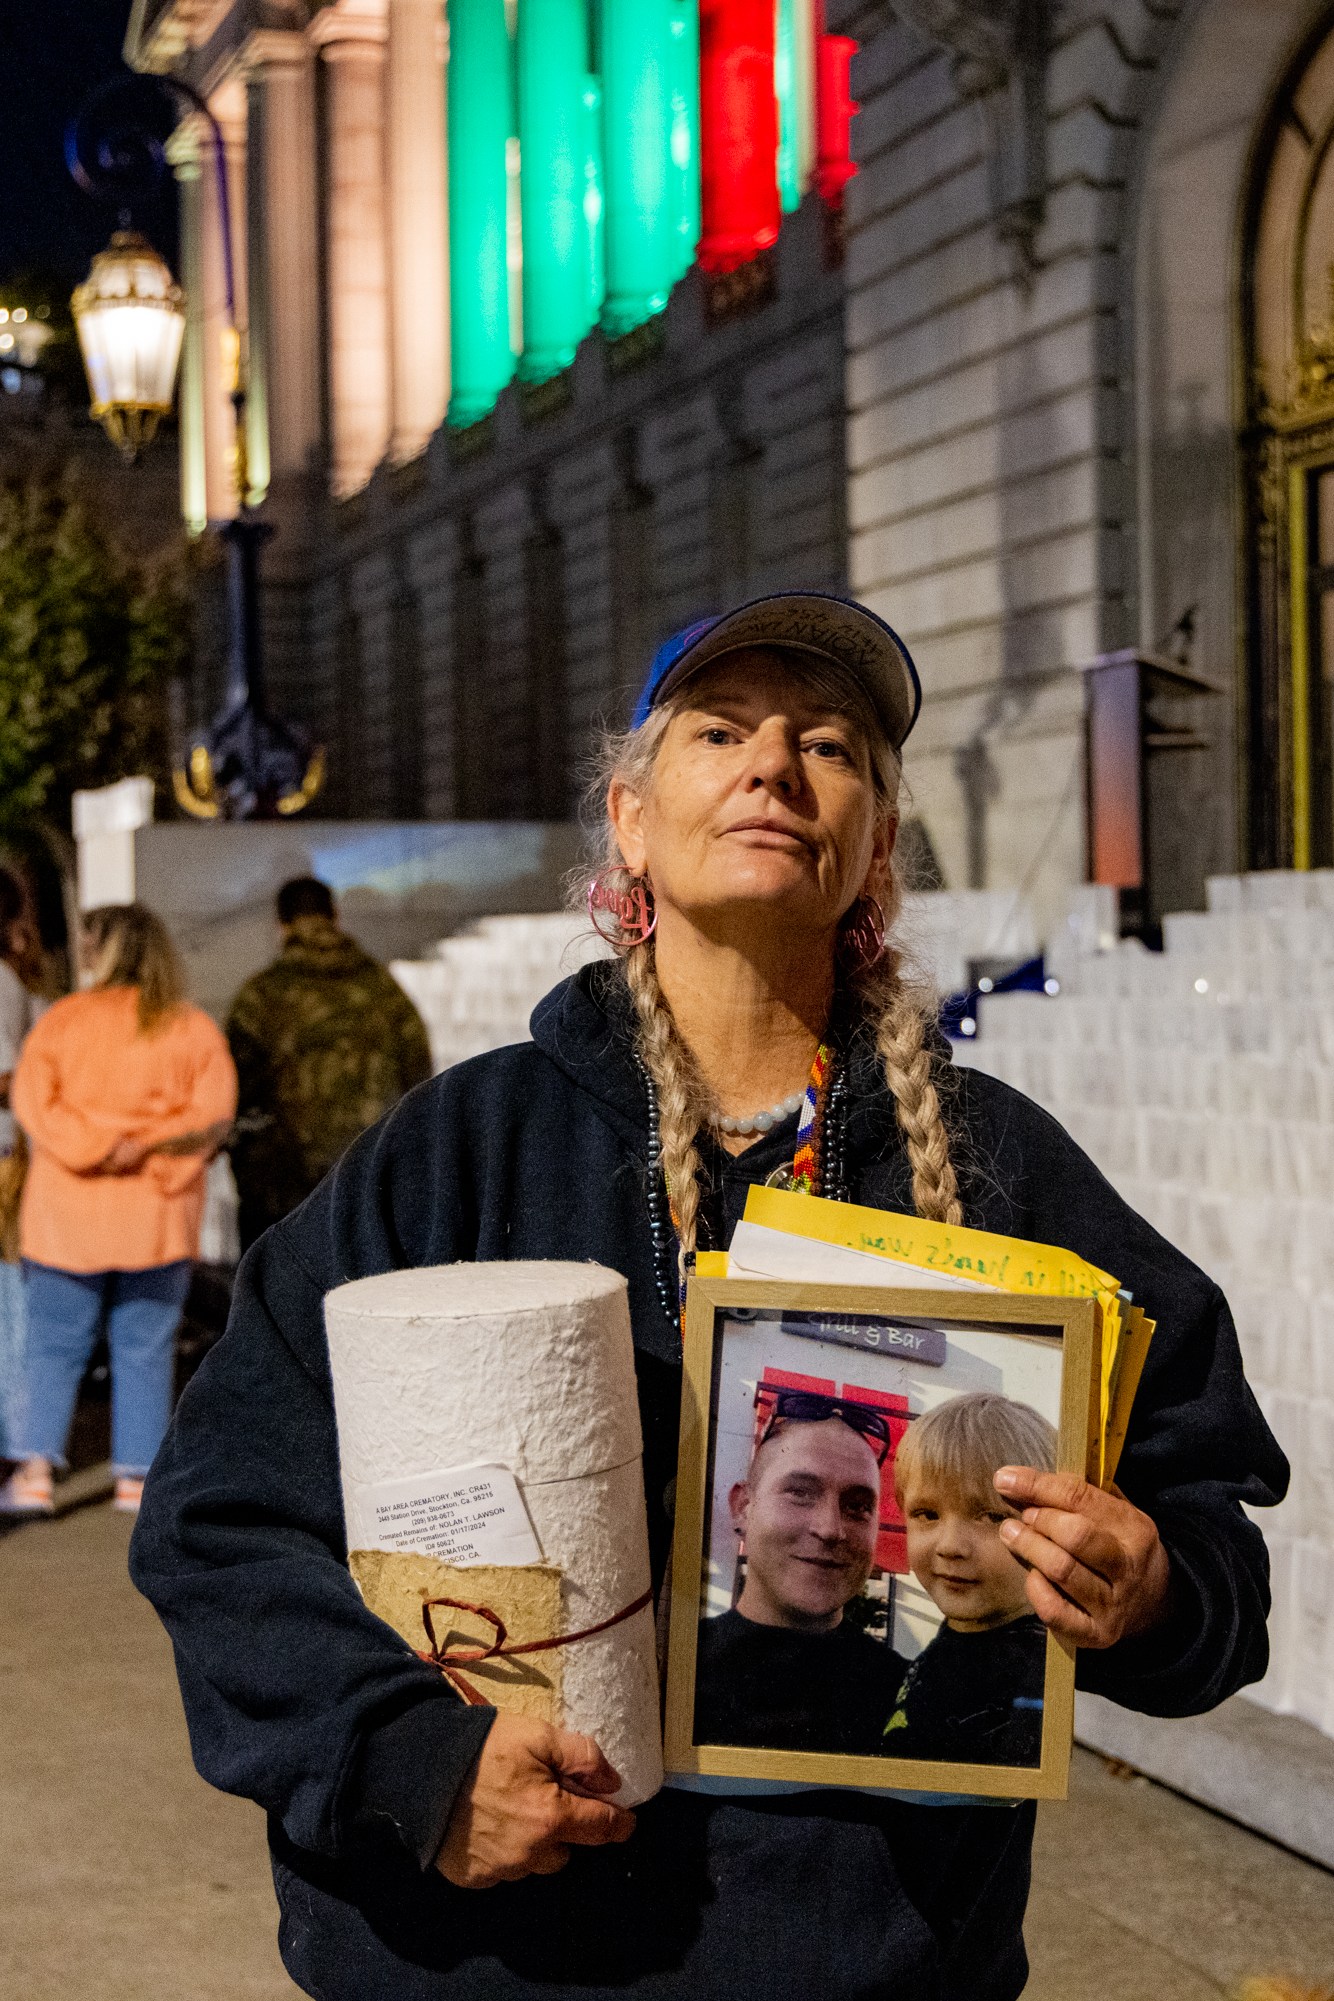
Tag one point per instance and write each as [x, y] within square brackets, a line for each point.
[1011, 475]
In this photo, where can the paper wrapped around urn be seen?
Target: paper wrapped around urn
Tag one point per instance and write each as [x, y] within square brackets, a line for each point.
[451, 1384]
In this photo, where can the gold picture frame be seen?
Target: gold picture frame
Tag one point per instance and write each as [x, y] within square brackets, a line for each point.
[1073, 1324]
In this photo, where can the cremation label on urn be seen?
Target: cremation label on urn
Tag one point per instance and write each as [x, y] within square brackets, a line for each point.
[463, 1514]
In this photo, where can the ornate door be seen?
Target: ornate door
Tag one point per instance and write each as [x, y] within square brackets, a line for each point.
[1288, 334]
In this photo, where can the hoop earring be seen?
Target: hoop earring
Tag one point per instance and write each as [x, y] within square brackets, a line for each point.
[625, 916]
[861, 943]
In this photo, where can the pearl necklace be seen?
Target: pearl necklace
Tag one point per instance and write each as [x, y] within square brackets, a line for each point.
[762, 1122]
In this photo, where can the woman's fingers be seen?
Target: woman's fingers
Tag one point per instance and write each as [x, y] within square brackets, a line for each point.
[1086, 1542]
[589, 1823]
[1060, 1614]
[1055, 1560]
[581, 1765]
[1098, 1571]
[1026, 1487]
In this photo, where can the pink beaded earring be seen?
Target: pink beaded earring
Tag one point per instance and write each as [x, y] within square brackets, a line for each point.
[622, 911]
[861, 943]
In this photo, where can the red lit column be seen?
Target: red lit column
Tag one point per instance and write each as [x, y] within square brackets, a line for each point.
[834, 113]
[738, 132]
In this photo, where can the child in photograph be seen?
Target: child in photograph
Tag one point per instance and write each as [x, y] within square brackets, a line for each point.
[974, 1694]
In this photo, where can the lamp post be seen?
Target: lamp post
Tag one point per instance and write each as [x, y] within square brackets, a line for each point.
[130, 313]
[248, 764]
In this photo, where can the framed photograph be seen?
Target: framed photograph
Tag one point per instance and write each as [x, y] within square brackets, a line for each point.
[844, 1610]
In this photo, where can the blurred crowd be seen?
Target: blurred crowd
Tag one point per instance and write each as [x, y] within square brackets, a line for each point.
[115, 1100]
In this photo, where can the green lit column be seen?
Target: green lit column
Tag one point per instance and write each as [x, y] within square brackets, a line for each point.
[787, 89]
[552, 70]
[685, 132]
[481, 125]
[636, 57]
[594, 203]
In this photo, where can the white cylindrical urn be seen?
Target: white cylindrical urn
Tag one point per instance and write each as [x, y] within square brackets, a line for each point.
[526, 1367]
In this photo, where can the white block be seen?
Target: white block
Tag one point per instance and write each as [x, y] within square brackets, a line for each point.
[1274, 1692]
[1312, 1617]
[112, 809]
[1285, 1414]
[1319, 1469]
[219, 1242]
[1322, 1345]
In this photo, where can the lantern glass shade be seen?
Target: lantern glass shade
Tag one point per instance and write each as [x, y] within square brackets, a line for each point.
[130, 313]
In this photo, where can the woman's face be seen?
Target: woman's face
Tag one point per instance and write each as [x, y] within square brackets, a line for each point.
[91, 957]
[762, 803]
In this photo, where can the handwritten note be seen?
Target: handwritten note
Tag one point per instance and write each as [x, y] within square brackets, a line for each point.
[463, 1514]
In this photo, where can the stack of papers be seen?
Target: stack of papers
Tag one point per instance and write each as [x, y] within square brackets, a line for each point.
[787, 1235]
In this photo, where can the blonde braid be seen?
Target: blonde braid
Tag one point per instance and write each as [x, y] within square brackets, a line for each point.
[901, 1015]
[680, 1094]
[901, 1041]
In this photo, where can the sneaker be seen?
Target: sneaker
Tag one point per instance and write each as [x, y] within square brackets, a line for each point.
[129, 1493]
[26, 1493]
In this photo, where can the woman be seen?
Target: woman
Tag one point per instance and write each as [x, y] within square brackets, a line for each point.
[416, 1843]
[19, 1009]
[125, 1092]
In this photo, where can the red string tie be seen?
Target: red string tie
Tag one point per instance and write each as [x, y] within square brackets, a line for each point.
[449, 1659]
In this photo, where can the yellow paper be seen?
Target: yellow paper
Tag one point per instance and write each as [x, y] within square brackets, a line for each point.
[1130, 1367]
[1010, 1264]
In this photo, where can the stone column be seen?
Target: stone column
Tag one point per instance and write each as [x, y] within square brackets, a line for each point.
[183, 153]
[283, 240]
[352, 46]
[210, 290]
[232, 113]
[418, 222]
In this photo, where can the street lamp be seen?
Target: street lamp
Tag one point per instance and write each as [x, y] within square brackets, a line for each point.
[130, 314]
[248, 764]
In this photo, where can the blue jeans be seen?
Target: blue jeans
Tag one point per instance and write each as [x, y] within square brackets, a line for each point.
[66, 1311]
[13, 1327]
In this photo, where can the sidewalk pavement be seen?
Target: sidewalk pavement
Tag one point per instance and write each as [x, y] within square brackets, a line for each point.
[129, 1879]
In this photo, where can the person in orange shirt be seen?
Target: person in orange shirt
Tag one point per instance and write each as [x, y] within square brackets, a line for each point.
[125, 1092]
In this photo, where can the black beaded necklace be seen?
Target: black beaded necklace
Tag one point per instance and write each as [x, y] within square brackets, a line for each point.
[830, 1179]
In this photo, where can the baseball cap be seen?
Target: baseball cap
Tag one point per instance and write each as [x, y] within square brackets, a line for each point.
[816, 622]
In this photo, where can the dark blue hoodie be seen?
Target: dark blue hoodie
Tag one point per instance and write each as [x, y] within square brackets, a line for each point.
[297, 1697]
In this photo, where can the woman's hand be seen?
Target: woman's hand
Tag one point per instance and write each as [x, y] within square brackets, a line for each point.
[1097, 1570]
[533, 1794]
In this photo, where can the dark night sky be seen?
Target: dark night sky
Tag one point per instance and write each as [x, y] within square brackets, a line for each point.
[53, 55]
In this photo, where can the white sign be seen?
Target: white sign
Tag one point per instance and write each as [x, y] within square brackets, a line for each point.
[465, 1514]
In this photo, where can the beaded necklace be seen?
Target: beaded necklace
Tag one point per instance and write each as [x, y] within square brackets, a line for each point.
[818, 1168]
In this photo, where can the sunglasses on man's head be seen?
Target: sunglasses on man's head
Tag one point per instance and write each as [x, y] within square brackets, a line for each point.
[814, 1407]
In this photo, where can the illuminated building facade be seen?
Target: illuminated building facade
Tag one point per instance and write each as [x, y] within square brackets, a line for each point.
[1066, 393]
[507, 434]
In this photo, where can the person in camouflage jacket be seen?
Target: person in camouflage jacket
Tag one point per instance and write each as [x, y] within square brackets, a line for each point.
[325, 1041]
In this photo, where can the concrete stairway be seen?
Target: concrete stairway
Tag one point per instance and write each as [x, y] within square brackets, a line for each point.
[1201, 1081]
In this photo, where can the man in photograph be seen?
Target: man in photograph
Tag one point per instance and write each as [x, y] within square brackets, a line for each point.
[786, 1669]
